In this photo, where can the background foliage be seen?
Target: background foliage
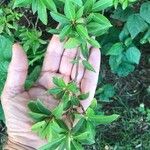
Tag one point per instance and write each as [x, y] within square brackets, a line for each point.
[124, 86]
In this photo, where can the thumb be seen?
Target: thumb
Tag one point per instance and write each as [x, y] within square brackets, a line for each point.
[17, 72]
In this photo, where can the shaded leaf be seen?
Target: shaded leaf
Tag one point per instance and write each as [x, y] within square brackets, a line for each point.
[59, 18]
[135, 25]
[87, 65]
[145, 11]
[72, 43]
[102, 4]
[116, 49]
[133, 55]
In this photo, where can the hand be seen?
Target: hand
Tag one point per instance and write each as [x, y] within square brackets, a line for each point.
[57, 62]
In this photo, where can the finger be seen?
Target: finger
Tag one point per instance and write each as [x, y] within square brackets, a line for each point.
[80, 69]
[17, 71]
[53, 55]
[90, 79]
[66, 65]
[80, 73]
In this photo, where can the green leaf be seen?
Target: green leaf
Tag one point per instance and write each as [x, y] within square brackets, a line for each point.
[69, 10]
[77, 2]
[116, 2]
[78, 126]
[72, 43]
[76, 145]
[62, 146]
[146, 38]
[59, 82]
[122, 15]
[74, 101]
[37, 116]
[133, 55]
[47, 129]
[88, 66]
[82, 136]
[101, 119]
[72, 87]
[42, 12]
[2, 116]
[34, 6]
[43, 109]
[92, 132]
[102, 4]
[90, 112]
[5, 57]
[19, 3]
[82, 31]
[124, 34]
[32, 78]
[116, 49]
[101, 19]
[79, 13]
[106, 92]
[97, 29]
[38, 126]
[85, 50]
[65, 32]
[54, 31]
[94, 104]
[33, 107]
[54, 91]
[122, 68]
[88, 5]
[135, 25]
[94, 43]
[38, 107]
[50, 5]
[145, 11]
[62, 124]
[53, 144]
[59, 18]
[58, 111]
[83, 96]
[125, 4]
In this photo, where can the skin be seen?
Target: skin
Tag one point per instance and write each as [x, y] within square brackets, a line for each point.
[56, 63]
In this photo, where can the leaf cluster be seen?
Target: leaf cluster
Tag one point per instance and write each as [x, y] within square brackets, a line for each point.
[123, 58]
[105, 93]
[8, 21]
[80, 22]
[123, 48]
[70, 134]
[39, 6]
[29, 36]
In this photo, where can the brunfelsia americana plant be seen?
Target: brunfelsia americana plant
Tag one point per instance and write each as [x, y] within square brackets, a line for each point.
[73, 133]
[81, 22]
[78, 22]
[77, 26]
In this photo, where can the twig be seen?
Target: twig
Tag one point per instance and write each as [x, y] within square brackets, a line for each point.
[77, 66]
[36, 23]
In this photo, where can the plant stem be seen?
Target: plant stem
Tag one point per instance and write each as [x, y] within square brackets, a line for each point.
[77, 65]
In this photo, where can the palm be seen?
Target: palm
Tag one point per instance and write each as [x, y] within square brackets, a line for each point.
[57, 63]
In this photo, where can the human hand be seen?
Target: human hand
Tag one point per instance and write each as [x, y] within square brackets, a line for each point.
[14, 98]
